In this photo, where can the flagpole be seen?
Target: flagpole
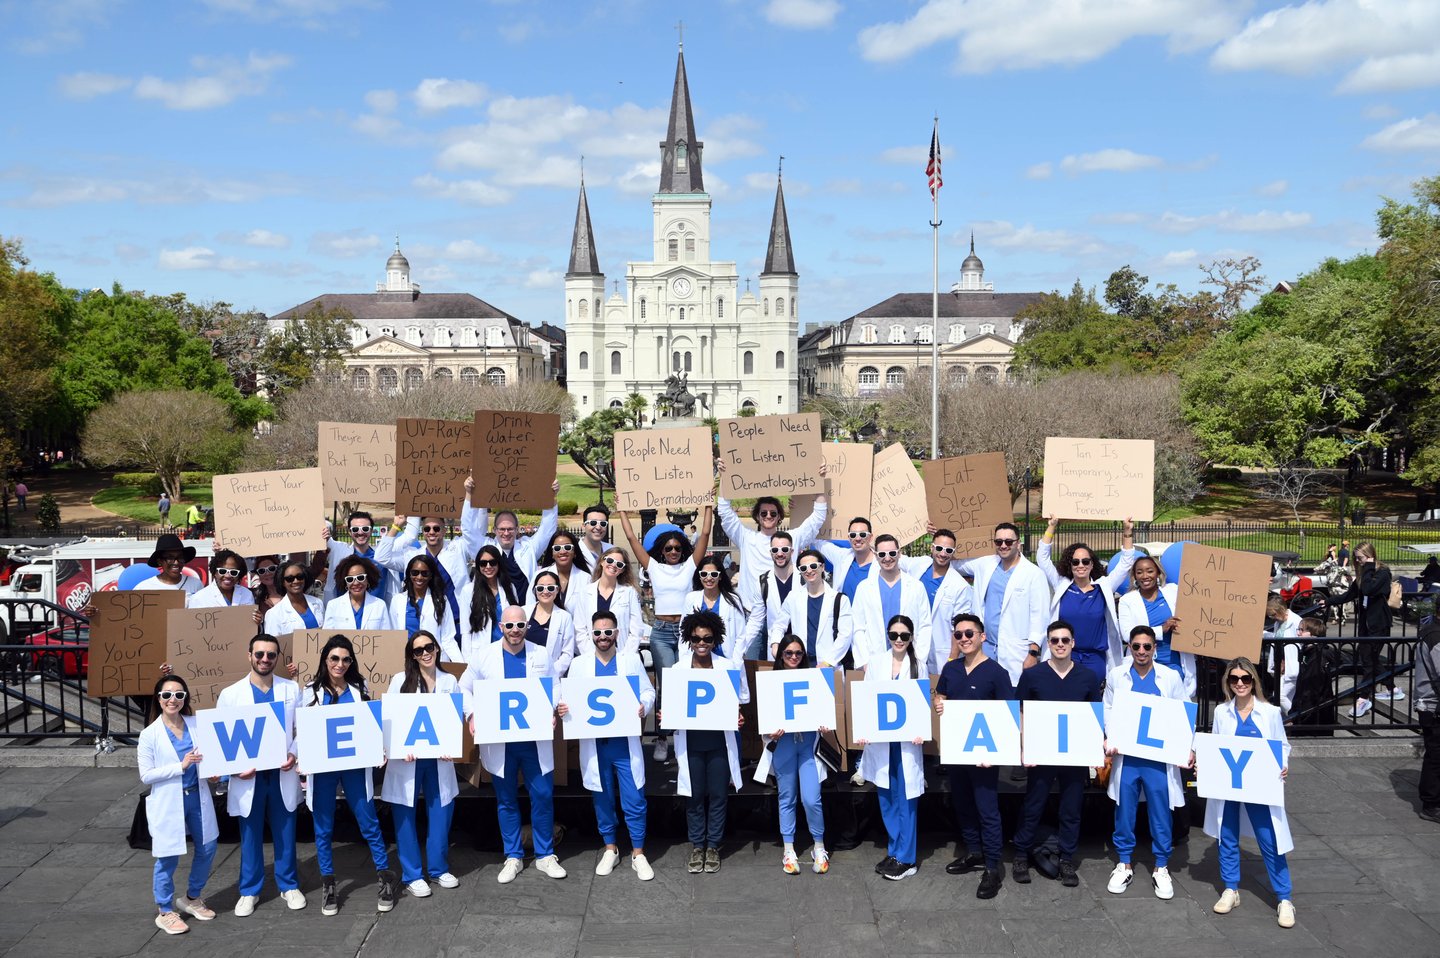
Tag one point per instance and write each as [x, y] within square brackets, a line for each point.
[935, 305]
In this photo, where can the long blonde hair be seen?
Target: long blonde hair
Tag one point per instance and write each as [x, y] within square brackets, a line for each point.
[626, 577]
[1246, 665]
[1368, 548]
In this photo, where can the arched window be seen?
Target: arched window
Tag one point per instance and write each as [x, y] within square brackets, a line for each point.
[987, 329]
[642, 307]
[923, 334]
[584, 360]
[675, 361]
[584, 309]
[1011, 376]
[442, 336]
[495, 376]
[387, 378]
[749, 404]
[360, 380]
[444, 375]
[470, 376]
[681, 158]
[766, 310]
[869, 376]
[414, 335]
[749, 363]
[895, 376]
[779, 359]
[387, 331]
[467, 336]
[689, 248]
[897, 333]
[682, 314]
[987, 374]
[720, 307]
[616, 404]
[869, 333]
[688, 362]
[959, 375]
[615, 363]
[597, 308]
[957, 333]
[780, 306]
[494, 336]
[414, 377]
[672, 250]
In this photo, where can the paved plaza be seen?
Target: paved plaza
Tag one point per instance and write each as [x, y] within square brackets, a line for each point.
[1366, 874]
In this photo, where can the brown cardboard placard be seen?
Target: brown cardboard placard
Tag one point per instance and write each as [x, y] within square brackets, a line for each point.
[514, 459]
[379, 653]
[357, 461]
[1221, 602]
[127, 640]
[664, 469]
[260, 513]
[770, 455]
[1099, 478]
[968, 495]
[210, 648]
[897, 496]
[432, 460]
[848, 468]
[468, 750]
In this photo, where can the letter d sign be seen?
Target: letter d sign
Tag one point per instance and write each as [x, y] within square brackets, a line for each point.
[889, 711]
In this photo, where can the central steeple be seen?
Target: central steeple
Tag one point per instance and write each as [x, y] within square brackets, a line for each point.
[680, 151]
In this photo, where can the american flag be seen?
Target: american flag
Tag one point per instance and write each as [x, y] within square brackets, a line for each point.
[932, 169]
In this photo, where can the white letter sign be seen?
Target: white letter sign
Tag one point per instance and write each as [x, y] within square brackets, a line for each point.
[238, 739]
[1239, 769]
[333, 738]
[1152, 726]
[980, 732]
[426, 725]
[1064, 733]
[796, 700]
[601, 706]
[882, 711]
[702, 699]
[514, 710]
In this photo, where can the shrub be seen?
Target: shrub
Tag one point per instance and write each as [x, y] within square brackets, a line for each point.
[567, 507]
[149, 483]
[48, 515]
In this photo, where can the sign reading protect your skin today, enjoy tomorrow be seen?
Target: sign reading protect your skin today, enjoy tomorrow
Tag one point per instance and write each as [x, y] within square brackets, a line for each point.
[264, 513]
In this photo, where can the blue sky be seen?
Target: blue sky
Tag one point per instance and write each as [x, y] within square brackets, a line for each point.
[266, 151]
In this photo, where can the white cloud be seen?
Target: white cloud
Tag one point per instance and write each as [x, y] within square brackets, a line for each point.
[261, 239]
[843, 186]
[38, 29]
[475, 192]
[434, 95]
[1039, 171]
[640, 179]
[470, 251]
[1275, 188]
[348, 244]
[200, 257]
[1000, 234]
[1109, 161]
[1264, 221]
[225, 80]
[1380, 111]
[1405, 71]
[163, 187]
[1180, 257]
[314, 14]
[1414, 134]
[1119, 218]
[910, 155]
[382, 101]
[83, 86]
[544, 279]
[802, 14]
[1023, 34]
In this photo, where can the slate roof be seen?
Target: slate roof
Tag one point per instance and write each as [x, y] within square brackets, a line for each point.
[400, 306]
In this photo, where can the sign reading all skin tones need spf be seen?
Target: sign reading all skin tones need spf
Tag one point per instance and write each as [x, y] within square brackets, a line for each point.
[969, 495]
[235, 740]
[848, 468]
[333, 738]
[423, 724]
[1100, 478]
[664, 469]
[701, 699]
[357, 461]
[210, 648]
[513, 710]
[980, 733]
[379, 654]
[770, 455]
[895, 711]
[127, 640]
[432, 461]
[795, 700]
[601, 706]
[1238, 769]
[514, 459]
[1064, 733]
[897, 496]
[1152, 726]
[258, 513]
[1221, 603]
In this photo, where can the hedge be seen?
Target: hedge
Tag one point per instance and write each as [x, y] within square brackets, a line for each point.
[149, 483]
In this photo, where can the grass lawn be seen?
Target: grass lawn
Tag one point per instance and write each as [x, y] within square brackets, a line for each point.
[1218, 497]
[132, 503]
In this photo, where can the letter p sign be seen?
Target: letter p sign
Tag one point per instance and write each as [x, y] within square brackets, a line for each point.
[699, 693]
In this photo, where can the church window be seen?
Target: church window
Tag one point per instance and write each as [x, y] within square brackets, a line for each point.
[959, 375]
[923, 334]
[987, 374]
[642, 307]
[987, 329]
[780, 306]
[616, 404]
[682, 314]
[444, 375]
[766, 310]
[675, 361]
[495, 376]
[414, 377]
[895, 376]
[597, 308]
[680, 157]
[470, 376]
[869, 376]
[615, 363]
[689, 366]
[750, 405]
[779, 359]
[673, 250]
[869, 333]
[957, 333]
[720, 308]
[360, 380]
[584, 360]
[494, 336]
[584, 309]
[387, 379]
[749, 363]
[689, 248]
[897, 333]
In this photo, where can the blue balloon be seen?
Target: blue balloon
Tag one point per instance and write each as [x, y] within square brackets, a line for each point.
[1109, 564]
[135, 574]
[1170, 560]
[658, 531]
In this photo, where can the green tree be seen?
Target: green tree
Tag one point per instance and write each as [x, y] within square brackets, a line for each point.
[635, 406]
[311, 346]
[1073, 332]
[162, 430]
[35, 315]
[591, 443]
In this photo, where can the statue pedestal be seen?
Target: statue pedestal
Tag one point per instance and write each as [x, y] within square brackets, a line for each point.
[677, 422]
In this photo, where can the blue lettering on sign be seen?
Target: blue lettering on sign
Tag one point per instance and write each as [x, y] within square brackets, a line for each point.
[794, 698]
[235, 737]
[340, 736]
[980, 736]
[423, 729]
[512, 706]
[889, 711]
[1063, 733]
[1143, 737]
[1237, 766]
[604, 711]
[698, 694]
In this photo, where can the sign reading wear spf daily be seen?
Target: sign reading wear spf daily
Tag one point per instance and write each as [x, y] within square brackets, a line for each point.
[333, 738]
[1152, 726]
[210, 648]
[514, 710]
[261, 513]
[127, 640]
[1100, 478]
[357, 461]
[1064, 733]
[702, 699]
[234, 740]
[770, 455]
[848, 468]
[980, 732]
[1221, 605]
[601, 706]
[897, 496]
[514, 459]
[664, 469]
[894, 711]
[796, 700]
[1239, 769]
[969, 495]
[432, 461]
[425, 725]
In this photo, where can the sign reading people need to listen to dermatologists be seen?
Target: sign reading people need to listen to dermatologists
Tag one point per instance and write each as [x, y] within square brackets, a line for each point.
[664, 469]
[778, 455]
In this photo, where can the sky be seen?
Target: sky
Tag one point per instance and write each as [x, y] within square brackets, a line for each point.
[263, 152]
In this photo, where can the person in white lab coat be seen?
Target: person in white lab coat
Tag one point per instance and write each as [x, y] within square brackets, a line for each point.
[611, 588]
[819, 615]
[1012, 597]
[945, 587]
[296, 609]
[548, 624]
[227, 568]
[714, 592]
[884, 596]
[357, 609]
[421, 604]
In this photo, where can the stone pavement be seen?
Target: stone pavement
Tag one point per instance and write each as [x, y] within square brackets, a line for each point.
[1366, 874]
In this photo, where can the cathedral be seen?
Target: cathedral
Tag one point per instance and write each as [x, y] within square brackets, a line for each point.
[683, 319]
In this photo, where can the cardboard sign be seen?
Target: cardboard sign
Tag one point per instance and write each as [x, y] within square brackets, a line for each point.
[262, 513]
[1221, 605]
[379, 654]
[894, 711]
[333, 738]
[770, 455]
[514, 710]
[210, 648]
[980, 733]
[1100, 478]
[1064, 733]
[1238, 769]
[848, 468]
[664, 469]
[423, 724]
[514, 459]
[796, 700]
[1152, 726]
[127, 640]
[467, 748]
[601, 706]
[357, 461]
[897, 496]
[969, 495]
[432, 461]
[702, 698]
[235, 740]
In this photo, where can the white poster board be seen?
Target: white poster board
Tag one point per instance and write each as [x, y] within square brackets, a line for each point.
[796, 700]
[702, 699]
[514, 710]
[333, 738]
[1239, 769]
[889, 711]
[601, 706]
[1064, 733]
[423, 724]
[235, 740]
[980, 732]
[1152, 726]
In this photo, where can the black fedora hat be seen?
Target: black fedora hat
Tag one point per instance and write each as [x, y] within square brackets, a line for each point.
[170, 542]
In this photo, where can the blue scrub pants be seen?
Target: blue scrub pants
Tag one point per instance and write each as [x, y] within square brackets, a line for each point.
[322, 809]
[1154, 778]
[898, 812]
[977, 810]
[437, 833]
[164, 881]
[709, 798]
[1072, 797]
[613, 755]
[267, 805]
[797, 776]
[1275, 864]
[524, 757]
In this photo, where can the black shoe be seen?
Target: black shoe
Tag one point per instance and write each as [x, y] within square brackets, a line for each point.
[965, 865]
[1431, 813]
[990, 883]
[884, 864]
[329, 897]
[1068, 878]
[1020, 868]
[697, 860]
[901, 870]
[389, 890]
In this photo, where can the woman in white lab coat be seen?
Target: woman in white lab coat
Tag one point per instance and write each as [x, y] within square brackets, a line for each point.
[548, 624]
[421, 604]
[356, 609]
[611, 588]
[714, 592]
[1152, 601]
[297, 609]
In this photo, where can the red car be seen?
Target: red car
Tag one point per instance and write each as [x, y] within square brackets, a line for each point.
[64, 652]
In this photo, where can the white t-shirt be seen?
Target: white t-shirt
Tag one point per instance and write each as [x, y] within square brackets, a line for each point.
[189, 584]
[670, 584]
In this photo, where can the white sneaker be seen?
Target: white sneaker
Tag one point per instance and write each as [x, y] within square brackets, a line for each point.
[549, 865]
[447, 880]
[662, 749]
[819, 860]
[1164, 887]
[1229, 899]
[194, 907]
[857, 778]
[510, 870]
[1362, 707]
[294, 899]
[419, 888]
[1285, 914]
[245, 907]
[641, 864]
[607, 862]
[1397, 695]
[1120, 879]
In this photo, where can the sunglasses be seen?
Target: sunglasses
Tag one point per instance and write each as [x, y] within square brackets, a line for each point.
[706, 639]
[769, 514]
[598, 523]
[709, 575]
[1082, 562]
[167, 695]
[1006, 542]
[859, 535]
[228, 573]
[429, 648]
[887, 554]
[266, 569]
[793, 653]
[295, 578]
[602, 633]
[1242, 679]
[899, 636]
[566, 547]
[514, 625]
[1061, 640]
[419, 573]
[486, 563]
[1141, 646]
[360, 530]
[265, 656]
[779, 550]
[965, 633]
[340, 659]
[943, 550]
[808, 566]
[172, 557]
[352, 579]
[617, 563]
[675, 547]
[432, 528]
[546, 589]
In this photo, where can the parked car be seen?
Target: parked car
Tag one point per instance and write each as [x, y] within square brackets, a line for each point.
[61, 652]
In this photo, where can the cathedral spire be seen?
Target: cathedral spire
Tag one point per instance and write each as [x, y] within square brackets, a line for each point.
[680, 152]
[583, 261]
[778, 258]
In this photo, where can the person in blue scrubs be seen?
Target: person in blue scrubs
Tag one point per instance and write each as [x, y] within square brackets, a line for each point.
[797, 774]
